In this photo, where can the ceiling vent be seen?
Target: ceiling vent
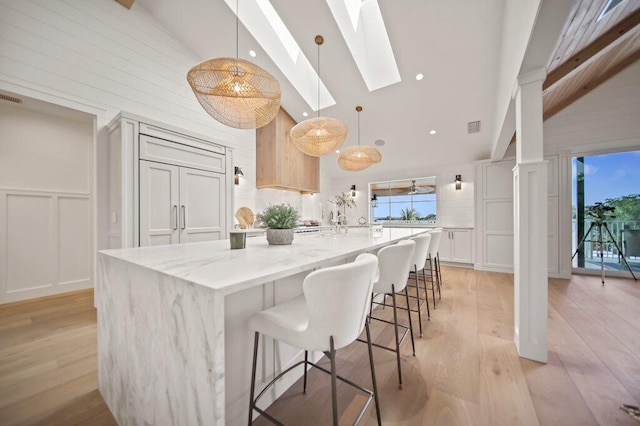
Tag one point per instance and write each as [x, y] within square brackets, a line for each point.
[10, 98]
[473, 127]
[611, 4]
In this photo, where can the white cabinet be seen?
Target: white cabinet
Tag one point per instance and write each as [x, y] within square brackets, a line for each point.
[455, 246]
[179, 204]
[166, 185]
[159, 204]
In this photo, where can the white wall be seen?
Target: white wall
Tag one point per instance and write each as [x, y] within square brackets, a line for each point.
[46, 201]
[96, 55]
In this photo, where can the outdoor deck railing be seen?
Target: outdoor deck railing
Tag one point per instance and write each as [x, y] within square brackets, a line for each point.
[609, 250]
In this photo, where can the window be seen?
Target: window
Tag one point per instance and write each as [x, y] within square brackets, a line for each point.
[404, 201]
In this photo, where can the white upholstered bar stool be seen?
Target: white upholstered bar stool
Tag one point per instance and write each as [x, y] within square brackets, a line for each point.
[435, 276]
[418, 263]
[329, 315]
[393, 262]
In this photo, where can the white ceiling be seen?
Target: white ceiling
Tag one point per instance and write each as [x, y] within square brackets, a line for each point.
[455, 44]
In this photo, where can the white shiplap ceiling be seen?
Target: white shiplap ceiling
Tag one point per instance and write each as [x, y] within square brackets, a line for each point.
[455, 44]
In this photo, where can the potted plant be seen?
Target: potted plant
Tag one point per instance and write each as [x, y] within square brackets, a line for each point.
[280, 219]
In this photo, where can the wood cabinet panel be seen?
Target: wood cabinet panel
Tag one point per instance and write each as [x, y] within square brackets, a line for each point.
[279, 164]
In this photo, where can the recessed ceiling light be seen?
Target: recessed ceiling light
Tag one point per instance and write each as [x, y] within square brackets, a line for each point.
[252, 53]
[337, 151]
[433, 132]
[419, 76]
[304, 114]
[379, 142]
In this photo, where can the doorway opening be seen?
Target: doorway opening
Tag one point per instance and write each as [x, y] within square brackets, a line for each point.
[614, 181]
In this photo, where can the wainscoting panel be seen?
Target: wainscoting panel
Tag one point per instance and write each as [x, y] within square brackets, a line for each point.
[47, 243]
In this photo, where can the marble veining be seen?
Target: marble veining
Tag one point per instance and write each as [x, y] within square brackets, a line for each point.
[214, 265]
[161, 320]
[160, 347]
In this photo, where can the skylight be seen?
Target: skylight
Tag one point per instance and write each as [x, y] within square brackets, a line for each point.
[364, 32]
[266, 26]
[611, 4]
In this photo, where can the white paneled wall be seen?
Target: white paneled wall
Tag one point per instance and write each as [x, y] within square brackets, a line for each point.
[494, 216]
[96, 55]
[46, 175]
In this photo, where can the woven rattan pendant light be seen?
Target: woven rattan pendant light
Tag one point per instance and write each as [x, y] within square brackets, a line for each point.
[320, 135]
[358, 157]
[236, 92]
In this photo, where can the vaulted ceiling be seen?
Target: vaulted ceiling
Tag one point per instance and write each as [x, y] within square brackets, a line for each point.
[456, 45]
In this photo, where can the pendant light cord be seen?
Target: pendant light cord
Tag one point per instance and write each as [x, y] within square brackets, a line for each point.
[358, 128]
[237, 19]
[318, 111]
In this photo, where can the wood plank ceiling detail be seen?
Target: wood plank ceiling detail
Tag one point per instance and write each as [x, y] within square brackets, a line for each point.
[590, 52]
[594, 72]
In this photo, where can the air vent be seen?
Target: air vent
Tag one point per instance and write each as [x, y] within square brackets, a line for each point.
[611, 4]
[473, 127]
[10, 98]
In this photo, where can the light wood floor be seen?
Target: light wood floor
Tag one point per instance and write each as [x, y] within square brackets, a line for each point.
[466, 370]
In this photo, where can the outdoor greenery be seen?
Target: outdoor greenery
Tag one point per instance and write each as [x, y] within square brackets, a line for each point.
[409, 214]
[627, 207]
[427, 218]
[279, 216]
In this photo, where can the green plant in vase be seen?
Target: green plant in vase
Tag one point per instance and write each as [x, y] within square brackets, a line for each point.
[280, 219]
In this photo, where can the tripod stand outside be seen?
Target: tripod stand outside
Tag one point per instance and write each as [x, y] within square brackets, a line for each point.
[599, 224]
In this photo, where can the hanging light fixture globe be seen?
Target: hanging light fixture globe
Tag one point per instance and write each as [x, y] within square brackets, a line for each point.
[320, 135]
[358, 157]
[236, 92]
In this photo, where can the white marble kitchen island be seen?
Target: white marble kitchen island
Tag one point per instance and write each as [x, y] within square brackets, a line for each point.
[174, 345]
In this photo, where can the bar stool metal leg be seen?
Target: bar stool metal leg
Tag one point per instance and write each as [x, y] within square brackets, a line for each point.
[413, 343]
[306, 359]
[373, 375]
[334, 387]
[253, 377]
[415, 270]
[395, 328]
[424, 285]
[433, 283]
[439, 274]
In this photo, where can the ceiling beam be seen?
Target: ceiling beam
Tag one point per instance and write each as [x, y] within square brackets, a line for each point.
[589, 86]
[592, 49]
[126, 3]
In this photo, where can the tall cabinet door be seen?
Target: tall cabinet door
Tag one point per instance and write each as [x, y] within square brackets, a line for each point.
[159, 204]
[202, 215]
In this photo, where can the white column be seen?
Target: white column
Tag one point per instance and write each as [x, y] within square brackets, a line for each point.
[530, 221]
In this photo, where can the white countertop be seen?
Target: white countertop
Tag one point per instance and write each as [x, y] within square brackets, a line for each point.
[214, 265]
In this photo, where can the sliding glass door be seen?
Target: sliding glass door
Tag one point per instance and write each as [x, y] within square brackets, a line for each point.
[606, 211]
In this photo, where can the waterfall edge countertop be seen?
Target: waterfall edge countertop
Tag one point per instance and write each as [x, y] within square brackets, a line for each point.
[173, 322]
[214, 265]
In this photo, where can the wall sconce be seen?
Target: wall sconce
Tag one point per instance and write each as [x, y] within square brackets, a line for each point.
[237, 172]
[353, 191]
[458, 182]
[374, 201]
